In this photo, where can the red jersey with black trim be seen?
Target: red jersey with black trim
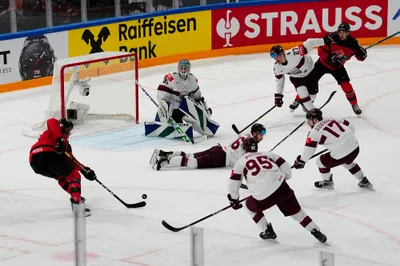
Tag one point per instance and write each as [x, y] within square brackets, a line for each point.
[346, 48]
[48, 139]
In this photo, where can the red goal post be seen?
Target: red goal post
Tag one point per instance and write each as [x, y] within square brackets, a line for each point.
[95, 86]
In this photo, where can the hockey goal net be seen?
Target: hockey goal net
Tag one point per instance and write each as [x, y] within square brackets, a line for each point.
[95, 86]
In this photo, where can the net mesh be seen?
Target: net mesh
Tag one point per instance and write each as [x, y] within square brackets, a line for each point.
[113, 91]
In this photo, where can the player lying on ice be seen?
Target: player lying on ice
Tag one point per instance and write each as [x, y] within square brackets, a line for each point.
[337, 135]
[266, 174]
[216, 156]
[179, 97]
[47, 158]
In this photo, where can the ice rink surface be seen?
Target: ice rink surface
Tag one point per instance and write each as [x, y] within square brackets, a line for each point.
[362, 226]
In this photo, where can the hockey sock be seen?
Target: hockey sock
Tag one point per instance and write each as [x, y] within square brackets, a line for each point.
[184, 161]
[350, 93]
[305, 98]
[258, 218]
[74, 185]
[63, 182]
[325, 172]
[355, 170]
[305, 220]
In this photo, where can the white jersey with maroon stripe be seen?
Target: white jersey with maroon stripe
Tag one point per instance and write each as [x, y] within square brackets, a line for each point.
[235, 150]
[337, 135]
[298, 63]
[264, 173]
[173, 88]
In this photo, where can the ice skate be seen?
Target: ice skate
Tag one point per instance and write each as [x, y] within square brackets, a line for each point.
[160, 162]
[364, 183]
[357, 110]
[325, 184]
[161, 153]
[75, 204]
[318, 235]
[269, 233]
[294, 106]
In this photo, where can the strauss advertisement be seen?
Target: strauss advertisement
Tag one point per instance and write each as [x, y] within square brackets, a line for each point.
[283, 23]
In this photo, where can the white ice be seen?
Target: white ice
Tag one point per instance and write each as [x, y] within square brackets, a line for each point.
[36, 224]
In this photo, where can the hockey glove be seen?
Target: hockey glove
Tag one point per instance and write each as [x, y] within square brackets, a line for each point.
[299, 163]
[362, 54]
[278, 100]
[61, 145]
[235, 204]
[336, 60]
[328, 40]
[88, 173]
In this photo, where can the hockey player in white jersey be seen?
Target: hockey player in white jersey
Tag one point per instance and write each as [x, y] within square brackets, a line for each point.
[216, 156]
[337, 135]
[298, 65]
[266, 174]
[179, 97]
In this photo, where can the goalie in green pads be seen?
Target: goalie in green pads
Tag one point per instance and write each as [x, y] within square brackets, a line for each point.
[179, 97]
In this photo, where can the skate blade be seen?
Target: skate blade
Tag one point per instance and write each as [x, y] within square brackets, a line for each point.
[154, 156]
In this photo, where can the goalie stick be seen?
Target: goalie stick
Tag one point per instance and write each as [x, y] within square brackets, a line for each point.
[261, 116]
[128, 205]
[171, 121]
[302, 123]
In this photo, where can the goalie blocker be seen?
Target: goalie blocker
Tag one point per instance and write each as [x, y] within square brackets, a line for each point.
[196, 114]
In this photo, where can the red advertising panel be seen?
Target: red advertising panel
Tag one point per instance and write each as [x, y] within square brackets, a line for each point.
[282, 23]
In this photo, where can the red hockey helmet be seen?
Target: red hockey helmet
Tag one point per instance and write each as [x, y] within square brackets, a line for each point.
[250, 144]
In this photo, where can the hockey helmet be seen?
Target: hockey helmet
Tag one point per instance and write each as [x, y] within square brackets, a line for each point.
[276, 50]
[314, 114]
[66, 126]
[250, 144]
[344, 26]
[258, 128]
[184, 69]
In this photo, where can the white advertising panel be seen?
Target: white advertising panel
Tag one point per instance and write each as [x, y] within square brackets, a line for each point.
[31, 57]
[393, 16]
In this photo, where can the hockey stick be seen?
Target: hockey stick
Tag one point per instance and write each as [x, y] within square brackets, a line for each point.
[261, 116]
[128, 205]
[302, 123]
[315, 155]
[383, 40]
[177, 229]
[171, 121]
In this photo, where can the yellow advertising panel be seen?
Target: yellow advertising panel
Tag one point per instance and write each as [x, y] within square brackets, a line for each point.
[148, 38]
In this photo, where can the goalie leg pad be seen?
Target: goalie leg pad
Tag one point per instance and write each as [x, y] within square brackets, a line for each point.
[165, 130]
[198, 117]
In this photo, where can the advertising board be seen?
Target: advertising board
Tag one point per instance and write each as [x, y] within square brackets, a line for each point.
[148, 38]
[285, 23]
[393, 17]
[32, 57]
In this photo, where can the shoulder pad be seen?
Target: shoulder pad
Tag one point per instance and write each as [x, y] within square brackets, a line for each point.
[194, 77]
[169, 77]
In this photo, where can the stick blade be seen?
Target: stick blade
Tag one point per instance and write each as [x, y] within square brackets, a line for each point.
[170, 227]
[235, 129]
[135, 205]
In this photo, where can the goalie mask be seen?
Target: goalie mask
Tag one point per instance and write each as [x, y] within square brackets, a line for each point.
[184, 69]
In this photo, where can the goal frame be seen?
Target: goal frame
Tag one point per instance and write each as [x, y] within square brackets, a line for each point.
[92, 61]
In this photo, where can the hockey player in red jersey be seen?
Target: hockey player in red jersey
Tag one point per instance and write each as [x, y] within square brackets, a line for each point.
[216, 156]
[337, 135]
[339, 47]
[47, 158]
[266, 174]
